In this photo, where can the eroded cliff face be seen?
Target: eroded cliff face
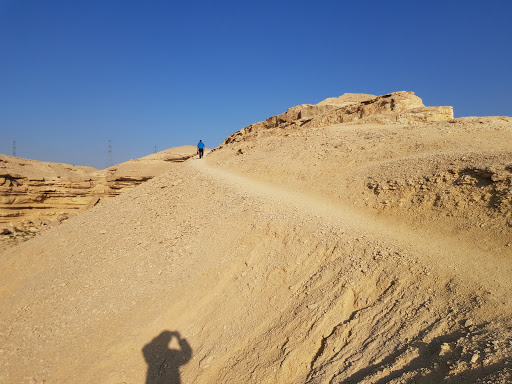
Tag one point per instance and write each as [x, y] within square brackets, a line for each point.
[397, 107]
[24, 199]
[35, 195]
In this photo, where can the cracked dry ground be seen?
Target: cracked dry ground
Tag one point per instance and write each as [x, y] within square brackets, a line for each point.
[267, 283]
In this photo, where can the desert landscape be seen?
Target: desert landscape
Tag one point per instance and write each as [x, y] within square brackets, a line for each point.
[363, 239]
[36, 195]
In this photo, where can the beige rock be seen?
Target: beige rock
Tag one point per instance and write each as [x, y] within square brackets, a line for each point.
[31, 189]
[402, 107]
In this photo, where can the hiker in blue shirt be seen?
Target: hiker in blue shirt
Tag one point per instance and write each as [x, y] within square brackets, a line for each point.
[200, 149]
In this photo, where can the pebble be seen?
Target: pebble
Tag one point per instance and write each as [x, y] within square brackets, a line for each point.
[468, 323]
[475, 358]
[445, 347]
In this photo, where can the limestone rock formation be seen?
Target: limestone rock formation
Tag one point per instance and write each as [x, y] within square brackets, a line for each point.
[35, 195]
[400, 107]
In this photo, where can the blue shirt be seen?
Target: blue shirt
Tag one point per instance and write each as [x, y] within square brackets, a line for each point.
[200, 145]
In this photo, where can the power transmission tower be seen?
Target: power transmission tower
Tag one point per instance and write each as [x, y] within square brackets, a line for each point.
[14, 148]
[109, 158]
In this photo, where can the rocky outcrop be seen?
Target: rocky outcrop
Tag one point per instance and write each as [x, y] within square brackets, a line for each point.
[399, 107]
[28, 203]
[35, 195]
[479, 195]
[22, 197]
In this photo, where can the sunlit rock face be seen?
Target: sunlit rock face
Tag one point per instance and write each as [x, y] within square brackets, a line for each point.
[398, 107]
[35, 195]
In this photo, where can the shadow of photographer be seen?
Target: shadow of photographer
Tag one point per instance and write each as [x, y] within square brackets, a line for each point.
[163, 362]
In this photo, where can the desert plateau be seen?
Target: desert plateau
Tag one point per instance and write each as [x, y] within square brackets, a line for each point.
[364, 239]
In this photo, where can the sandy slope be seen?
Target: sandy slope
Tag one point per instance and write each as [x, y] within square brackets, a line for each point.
[278, 261]
[443, 253]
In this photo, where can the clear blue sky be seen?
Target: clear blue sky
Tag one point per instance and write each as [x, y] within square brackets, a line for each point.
[76, 73]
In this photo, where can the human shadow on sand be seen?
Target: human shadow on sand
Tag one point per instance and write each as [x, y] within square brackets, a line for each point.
[163, 362]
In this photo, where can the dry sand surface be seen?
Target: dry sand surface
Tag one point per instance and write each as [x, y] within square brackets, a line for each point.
[350, 253]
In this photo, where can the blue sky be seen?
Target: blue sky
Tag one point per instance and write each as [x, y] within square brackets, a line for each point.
[75, 74]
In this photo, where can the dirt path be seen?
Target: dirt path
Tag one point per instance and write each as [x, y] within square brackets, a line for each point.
[448, 256]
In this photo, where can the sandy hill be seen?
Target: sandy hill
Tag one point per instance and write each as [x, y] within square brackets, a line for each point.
[370, 250]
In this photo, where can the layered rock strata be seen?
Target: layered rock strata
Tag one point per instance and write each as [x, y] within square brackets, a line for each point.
[397, 107]
[35, 195]
[25, 198]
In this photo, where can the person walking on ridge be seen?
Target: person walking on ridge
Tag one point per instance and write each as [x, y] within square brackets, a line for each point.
[200, 149]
